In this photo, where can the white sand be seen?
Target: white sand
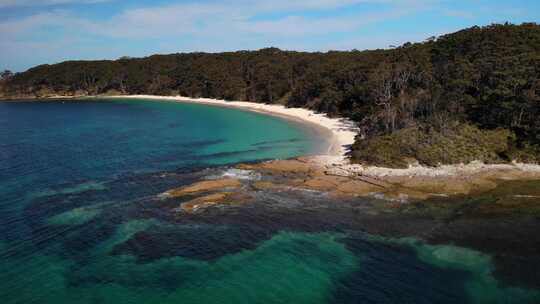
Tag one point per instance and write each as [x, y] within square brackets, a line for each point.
[343, 134]
[343, 131]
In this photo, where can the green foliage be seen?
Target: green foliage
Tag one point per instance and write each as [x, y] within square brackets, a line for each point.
[461, 143]
[6, 74]
[406, 101]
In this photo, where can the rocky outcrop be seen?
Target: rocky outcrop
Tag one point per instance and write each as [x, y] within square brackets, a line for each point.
[310, 174]
[216, 199]
[205, 186]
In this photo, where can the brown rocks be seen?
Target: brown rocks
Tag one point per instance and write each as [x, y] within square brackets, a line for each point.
[357, 188]
[304, 173]
[283, 166]
[204, 201]
[205, 186]
[221, 198]
[266, 185]
[226, 191]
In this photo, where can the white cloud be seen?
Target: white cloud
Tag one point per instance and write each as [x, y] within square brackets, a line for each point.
[10, 3]
[301, 26]
[204, 26]
[239, 18]
[279, 5]
[25, 28]
[209, 19]
[458, 13]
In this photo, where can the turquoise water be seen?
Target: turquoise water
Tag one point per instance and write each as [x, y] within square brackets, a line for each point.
[81, 221]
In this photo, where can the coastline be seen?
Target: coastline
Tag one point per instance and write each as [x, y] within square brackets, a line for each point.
[342, 133]
[332, 172]
[341, 130]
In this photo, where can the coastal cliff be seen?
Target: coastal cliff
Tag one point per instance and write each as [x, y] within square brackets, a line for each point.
[470, 95]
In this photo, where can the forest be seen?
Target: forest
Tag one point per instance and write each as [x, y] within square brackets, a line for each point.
[470, 95]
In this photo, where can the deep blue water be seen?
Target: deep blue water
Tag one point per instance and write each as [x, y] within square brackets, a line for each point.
[81, 222]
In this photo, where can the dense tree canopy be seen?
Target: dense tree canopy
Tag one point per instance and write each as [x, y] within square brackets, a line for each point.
[474, 94]
[6, 74]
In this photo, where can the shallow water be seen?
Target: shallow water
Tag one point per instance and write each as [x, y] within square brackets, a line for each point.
[83, 223]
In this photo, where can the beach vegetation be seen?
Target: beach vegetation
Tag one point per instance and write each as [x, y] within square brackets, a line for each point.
[470, 95]
[6, 74]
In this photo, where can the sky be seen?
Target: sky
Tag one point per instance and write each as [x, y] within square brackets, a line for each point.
[34, 32]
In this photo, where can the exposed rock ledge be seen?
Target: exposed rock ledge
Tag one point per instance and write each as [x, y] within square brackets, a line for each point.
[340, 181]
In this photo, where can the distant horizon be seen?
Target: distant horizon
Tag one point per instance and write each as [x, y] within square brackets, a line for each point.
[35, 32]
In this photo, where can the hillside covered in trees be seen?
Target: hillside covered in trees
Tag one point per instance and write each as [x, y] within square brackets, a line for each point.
[470, 95]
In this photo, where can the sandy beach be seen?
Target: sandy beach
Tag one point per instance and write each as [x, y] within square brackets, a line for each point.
[340, 134]
[341, 130]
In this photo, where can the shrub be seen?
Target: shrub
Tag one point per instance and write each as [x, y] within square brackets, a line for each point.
[460, 144]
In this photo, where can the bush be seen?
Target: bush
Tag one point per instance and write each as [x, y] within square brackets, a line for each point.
[390, 150]
[526, 154]
[461, 144]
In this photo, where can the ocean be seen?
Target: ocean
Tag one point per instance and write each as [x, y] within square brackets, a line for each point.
[83, 221]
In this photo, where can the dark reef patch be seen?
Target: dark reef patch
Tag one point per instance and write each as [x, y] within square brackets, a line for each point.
[194, 241]
[400, 268]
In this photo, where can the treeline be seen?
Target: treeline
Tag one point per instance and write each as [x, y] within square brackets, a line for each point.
[473, 94]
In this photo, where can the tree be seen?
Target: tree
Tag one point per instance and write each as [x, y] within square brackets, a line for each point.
[484, 77]
[6, 74]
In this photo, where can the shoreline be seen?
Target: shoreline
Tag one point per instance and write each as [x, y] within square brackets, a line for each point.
[341, 130]
[339, 133]
[342, 133]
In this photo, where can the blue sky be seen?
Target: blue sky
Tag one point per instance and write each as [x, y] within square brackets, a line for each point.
[34, 32]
